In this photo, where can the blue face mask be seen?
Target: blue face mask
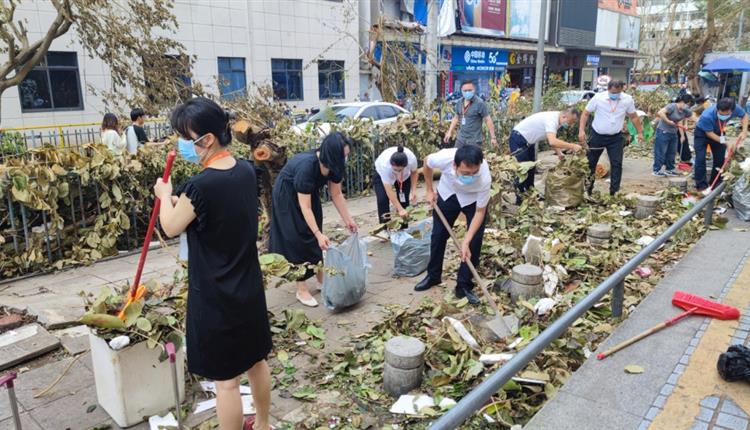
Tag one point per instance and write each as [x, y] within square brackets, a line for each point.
[724, 117]
[467, 179]
[565, 125]
[186, 149]
[468, 95]
[615, 96]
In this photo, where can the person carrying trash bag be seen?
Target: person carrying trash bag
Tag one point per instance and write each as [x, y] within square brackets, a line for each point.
[464, 187]
[297, 216]
[228, 332]
[395, 181]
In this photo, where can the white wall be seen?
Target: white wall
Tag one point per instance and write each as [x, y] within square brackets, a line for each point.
[256, 30]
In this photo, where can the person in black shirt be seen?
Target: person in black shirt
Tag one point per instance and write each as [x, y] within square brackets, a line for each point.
[135, 134]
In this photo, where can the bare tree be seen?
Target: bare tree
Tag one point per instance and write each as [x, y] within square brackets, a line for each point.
[148, 68]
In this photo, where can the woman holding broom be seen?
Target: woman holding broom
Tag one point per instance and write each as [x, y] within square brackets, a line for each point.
[228, 332]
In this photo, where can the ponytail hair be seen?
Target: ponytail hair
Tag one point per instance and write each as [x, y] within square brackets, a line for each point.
[399, 158]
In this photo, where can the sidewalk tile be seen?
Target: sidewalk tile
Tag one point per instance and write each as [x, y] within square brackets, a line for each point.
[27, 423]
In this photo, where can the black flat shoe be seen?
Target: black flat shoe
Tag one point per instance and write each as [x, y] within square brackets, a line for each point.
[463, 292]
[425, 284]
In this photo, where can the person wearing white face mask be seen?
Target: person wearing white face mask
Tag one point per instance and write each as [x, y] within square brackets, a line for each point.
[610, 109]
[395, 181]
[537, 128]
[709, 131]
[471, 112]
[464, 187]
[228, 332]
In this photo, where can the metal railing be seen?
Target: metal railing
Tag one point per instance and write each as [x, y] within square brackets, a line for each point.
[477, 397]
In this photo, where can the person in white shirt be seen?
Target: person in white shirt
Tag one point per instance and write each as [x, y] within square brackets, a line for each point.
[609, 109]
[111, 136]
[395, 169]
[537, 128]
[464, 187]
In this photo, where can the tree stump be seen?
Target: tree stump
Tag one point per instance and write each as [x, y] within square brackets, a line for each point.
[599, 234]
[404, 365]
[526, 282]
[646, 206]
[679, 183]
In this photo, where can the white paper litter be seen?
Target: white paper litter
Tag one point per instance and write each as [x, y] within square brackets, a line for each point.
[515, 343]
[489, 419]
[463, 332]
[409, 404]
[157, 423]
[530, 381]
[625, 213]
[544, 305]
[550, 280]
[532, 250]
[645, 240]
[745, 165]
[720, 211]
[210, 386]
[490, 359]
[119, 342]
[207, 405]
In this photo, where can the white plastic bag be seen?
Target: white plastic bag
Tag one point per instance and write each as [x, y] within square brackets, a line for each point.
[412, 254]
[348, 285]
[741, 197]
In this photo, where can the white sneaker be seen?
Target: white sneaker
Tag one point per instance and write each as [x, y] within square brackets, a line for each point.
[706, 192]
[311, 302]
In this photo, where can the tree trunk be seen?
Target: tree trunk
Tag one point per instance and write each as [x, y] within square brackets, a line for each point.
[705, 45]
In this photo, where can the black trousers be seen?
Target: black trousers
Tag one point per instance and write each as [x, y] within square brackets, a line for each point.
[384, 205]
[451, 209]
[700, 142]
[518, 142]
[685, 155]
[615, 146]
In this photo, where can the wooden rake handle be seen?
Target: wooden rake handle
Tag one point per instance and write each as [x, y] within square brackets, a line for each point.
[473, 270]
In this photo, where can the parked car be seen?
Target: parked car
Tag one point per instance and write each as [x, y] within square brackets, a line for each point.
[378, 112]
[572, 97]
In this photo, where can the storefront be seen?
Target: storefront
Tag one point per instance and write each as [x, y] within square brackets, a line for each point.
[617, 66]
[462, 63]
[578, 69]
[521, 69]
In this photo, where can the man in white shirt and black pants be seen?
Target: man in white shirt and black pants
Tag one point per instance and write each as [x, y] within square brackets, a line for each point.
[464, 187]
[537, 128]
[609, 109]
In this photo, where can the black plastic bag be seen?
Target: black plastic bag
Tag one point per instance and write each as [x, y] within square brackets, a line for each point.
[734, 365]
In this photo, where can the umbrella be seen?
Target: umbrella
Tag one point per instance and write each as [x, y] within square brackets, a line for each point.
[727, 64]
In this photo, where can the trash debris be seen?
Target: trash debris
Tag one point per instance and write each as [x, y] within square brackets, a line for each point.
[645, 240]
[689, 200]
[550, 280]
[634, 369]
[157, 423]
[625, 213]
[409, 404]
[210, 386]
[544, 305]
[532, 250]
[720, 211]
[463, 332]
[207, 405]
[529, 381]
[515, 343]
[643, 271]
[490, 359]
[119, 342]
[734, 365]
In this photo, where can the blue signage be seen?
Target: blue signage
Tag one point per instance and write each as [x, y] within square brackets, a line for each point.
[592, 60]
[469, 59]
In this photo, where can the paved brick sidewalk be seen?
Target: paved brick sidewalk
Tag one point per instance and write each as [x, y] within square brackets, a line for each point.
[680, 388]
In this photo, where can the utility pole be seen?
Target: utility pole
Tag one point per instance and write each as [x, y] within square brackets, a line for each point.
[430, 90]
[539, 77]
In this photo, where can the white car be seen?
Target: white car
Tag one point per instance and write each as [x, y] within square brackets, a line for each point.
[569, 98]
[378, 112]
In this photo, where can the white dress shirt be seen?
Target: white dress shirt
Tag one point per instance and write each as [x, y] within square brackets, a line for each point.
[384, 169]
[449, 185]
[535, 127]
[609, 115]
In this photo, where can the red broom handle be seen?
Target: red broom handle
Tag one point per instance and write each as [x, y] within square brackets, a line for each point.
[150, 231]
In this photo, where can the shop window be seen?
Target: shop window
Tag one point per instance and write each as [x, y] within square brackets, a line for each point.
[330, 79]
[54, 84]
[287, 79]
[232, 80]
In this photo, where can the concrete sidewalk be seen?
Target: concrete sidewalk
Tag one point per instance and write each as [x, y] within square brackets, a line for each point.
[680, 387]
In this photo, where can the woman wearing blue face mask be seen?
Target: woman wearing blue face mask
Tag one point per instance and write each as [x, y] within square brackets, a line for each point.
[709, 131]
[228, 332]
[297, 216]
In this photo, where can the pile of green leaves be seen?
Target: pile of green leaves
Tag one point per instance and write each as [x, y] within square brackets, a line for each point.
[158, 317]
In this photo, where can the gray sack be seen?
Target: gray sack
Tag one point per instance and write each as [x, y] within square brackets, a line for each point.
[741, 197]
[412, 254]
[348, 285]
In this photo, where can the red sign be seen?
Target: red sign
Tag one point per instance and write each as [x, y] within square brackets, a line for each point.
[628, 7]
[488, 17]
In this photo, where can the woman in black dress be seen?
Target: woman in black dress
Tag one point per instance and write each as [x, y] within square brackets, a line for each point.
[297, 216]
[228, 332]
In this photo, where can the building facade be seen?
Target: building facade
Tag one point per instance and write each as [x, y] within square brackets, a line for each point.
[307, 49]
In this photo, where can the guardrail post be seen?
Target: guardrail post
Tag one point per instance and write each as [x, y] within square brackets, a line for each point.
[618, 296]
[709, 212]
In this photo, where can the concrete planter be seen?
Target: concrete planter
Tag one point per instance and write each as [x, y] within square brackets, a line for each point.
[131, 383]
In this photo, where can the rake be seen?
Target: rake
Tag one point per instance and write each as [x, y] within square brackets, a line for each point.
[693, 305]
